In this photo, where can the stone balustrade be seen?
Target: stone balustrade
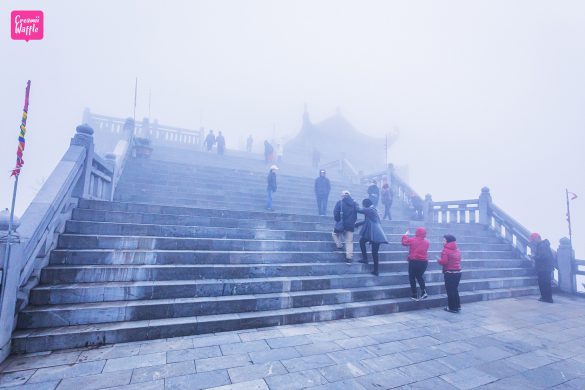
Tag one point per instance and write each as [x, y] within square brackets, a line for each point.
[81, 173]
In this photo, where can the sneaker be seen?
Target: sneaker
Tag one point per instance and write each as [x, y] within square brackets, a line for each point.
[364, 261]
[450, 311]
[414, 297]
[424, 296]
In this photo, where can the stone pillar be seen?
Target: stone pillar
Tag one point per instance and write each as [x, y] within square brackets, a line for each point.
[10, 289]
[84, 137]
[428, 209]
[485, 205]
[565, 256]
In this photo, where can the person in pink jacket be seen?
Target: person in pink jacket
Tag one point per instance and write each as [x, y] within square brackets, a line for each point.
[418, 261]
[451, 262]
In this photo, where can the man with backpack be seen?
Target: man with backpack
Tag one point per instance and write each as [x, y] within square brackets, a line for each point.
[345, 215]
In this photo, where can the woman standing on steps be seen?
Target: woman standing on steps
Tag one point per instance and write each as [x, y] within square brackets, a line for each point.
[418, 261]
[451, 262]
[371, 232]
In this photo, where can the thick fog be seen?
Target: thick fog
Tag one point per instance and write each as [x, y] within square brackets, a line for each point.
[485, 93]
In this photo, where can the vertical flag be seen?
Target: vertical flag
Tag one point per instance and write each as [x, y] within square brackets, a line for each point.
[21, 140]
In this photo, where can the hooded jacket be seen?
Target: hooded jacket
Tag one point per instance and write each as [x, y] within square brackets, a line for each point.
[450, 257]
[543, 257]
[350, 208]
[322, 186]
[418, 245]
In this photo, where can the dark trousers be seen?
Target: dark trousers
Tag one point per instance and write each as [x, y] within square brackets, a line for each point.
[375, 249]
[322, 204]
[452, 287]
[387, 207]
[544, 284]
[416, 269]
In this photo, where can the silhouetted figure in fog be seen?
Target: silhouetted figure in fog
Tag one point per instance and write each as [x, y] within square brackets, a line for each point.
[345, 215]
[371, 232]
[417, 207]
[209, 140]
[270, 186]
[220, 144]
[544, 261]
[316, 158]
[322, 189]
[374, 193]
[249, 143]
[268, 152]
[387, 197]
[279, 152]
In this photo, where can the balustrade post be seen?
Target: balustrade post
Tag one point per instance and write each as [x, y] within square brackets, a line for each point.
[11, 279]
[111, 160]
[84, 137]
[428, 209]
[485, 205]
[565, 256]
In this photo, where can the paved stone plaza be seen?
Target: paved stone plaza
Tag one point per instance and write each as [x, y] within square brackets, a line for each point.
[516, 343]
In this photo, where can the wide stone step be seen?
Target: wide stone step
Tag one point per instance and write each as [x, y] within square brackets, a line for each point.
[80, 241]
[126, 273]
[66, 337]
[128, 291]
[150, 309]
[111, 256]
[202, 231]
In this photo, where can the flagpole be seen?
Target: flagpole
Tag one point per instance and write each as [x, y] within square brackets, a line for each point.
[569, 217]
[135, 97]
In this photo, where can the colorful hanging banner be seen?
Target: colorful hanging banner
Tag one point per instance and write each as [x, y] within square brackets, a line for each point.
[21, 140]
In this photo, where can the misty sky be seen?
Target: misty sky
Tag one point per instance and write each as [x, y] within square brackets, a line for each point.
[484, 92]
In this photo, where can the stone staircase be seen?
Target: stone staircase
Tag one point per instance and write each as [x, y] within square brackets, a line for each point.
[188, 249]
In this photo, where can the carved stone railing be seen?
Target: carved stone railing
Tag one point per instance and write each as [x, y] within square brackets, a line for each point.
[402, 191]
[345, 168]
[110, 127]
[80, 174]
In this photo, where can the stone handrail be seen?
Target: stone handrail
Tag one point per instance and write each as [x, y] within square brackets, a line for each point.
[402, 191]
[156, 133]
[345, 168]
[80, 174]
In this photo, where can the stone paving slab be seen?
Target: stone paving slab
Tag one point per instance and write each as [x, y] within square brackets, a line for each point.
[516, 343]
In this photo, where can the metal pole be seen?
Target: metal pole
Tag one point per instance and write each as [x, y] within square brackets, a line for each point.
[135, 97]
[569, 218]
[8, 243]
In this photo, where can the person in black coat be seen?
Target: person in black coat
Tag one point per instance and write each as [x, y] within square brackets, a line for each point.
[372, 232]
[210, 140]
[387, 198]
[345, 215]
[322, 189]
[270, 186]
[374, 193]
[544, 262]
[220, 144]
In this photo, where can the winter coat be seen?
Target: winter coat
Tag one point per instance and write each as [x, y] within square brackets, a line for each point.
[387, 196]
[450, 257]
[374, 193]
[418, 245]
[271, 182]
[544, 258]
[350, 208]
[371, 227]
[322, 186]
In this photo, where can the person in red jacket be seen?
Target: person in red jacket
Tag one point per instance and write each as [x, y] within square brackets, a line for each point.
[451, 262]
[417, 261]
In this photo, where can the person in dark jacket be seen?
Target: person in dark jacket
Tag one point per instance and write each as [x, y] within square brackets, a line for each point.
[322, 189]
[345, 215]
[451, 262]
[220, 144]
[374, 193]
[268, 152]
[210, 140]
[418, 261]
[543, 263]
[387, 197]
[271, 186]
[372, 232]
